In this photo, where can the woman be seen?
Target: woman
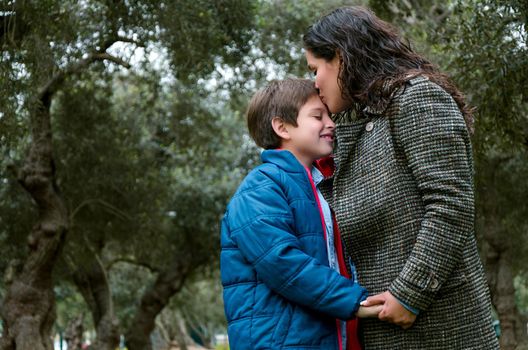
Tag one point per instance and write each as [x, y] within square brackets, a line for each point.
[403, 188]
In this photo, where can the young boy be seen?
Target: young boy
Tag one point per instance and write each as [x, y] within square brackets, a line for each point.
[279, 265]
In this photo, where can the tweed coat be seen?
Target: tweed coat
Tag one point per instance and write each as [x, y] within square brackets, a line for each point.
[403, 197]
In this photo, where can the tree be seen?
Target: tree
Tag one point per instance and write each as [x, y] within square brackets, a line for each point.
[491, 65]
[199, 155]
[196, 311]
[28, 307]
[168, 151]
[45, 44]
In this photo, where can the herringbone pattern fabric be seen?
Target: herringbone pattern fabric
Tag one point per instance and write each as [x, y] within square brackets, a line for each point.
[403, 197]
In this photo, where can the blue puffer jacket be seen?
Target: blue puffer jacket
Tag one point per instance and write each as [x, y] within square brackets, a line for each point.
[278, 289]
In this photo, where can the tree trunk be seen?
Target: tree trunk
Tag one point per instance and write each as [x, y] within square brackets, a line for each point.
[28, 310]
[200, 329]
[169, 282]
[500, 279]
[181, 334]
[497, 256]
[74, 333]
[500, 276]
[93, 284]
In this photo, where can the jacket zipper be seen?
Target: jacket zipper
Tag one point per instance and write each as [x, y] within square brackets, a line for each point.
[321, 216]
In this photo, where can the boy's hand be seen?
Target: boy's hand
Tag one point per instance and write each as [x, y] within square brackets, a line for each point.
[369, 311]
[392, 310]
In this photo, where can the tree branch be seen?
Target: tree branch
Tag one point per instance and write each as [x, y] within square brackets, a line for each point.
[163, 330]
[106, 56]
[98, 55]
[130, 40]
[112, 209]
[133, 262]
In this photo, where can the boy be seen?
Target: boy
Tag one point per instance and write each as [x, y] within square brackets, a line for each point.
[278, 260]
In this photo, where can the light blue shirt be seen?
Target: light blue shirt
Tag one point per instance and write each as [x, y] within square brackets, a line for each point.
[329, 223]
[317, 177]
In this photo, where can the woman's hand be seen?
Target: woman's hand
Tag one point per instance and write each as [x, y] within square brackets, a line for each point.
[392, 310]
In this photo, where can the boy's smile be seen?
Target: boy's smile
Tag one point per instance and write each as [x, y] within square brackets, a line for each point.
[328, 136]
[313, 137]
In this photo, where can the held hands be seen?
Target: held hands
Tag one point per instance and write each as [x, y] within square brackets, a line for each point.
[391, 309]
[369, 311]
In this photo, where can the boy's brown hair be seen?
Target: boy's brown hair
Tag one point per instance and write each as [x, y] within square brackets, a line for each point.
[282, 99]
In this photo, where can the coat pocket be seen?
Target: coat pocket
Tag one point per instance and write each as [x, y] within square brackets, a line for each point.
[453, 283]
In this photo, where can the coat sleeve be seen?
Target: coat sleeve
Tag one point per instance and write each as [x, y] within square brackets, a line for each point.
[267, 242]
[432, 134]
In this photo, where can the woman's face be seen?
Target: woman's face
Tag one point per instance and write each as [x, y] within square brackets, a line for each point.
[326, 76]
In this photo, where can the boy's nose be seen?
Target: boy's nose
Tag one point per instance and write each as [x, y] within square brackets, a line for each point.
[330, 123]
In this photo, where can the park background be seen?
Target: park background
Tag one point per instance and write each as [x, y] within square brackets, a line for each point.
[122, 137]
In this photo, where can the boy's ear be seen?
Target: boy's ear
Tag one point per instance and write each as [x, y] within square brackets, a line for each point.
[279, 126]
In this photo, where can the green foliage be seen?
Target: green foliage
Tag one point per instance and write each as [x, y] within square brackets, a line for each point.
[93, 141]
[491, 58]
[149, 160]
[217, 28]
[490, 64]
[69, 305]
[276, 45]
[127, 283]
[145, 170]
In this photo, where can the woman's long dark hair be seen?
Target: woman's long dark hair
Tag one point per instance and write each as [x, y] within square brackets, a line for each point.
[375, 61]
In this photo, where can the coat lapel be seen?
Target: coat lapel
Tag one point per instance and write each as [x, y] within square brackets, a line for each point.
[347, 137]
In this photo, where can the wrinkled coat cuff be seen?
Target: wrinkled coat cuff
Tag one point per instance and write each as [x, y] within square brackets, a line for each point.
[416, 286]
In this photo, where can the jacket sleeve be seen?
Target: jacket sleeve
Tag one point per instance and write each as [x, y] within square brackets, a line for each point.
[432, 134]
[266, 240]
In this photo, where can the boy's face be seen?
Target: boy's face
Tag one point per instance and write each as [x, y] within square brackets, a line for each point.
[313, 137]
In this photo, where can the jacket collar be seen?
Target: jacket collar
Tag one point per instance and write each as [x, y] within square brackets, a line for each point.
[283, 159]
[359, 111]
[382, 106]
[286, 160]
[377, 109]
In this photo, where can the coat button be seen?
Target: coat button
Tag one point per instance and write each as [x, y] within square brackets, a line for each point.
[434, 283]
[369, 126]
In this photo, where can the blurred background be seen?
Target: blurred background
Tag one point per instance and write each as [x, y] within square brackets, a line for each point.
[122, 137]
